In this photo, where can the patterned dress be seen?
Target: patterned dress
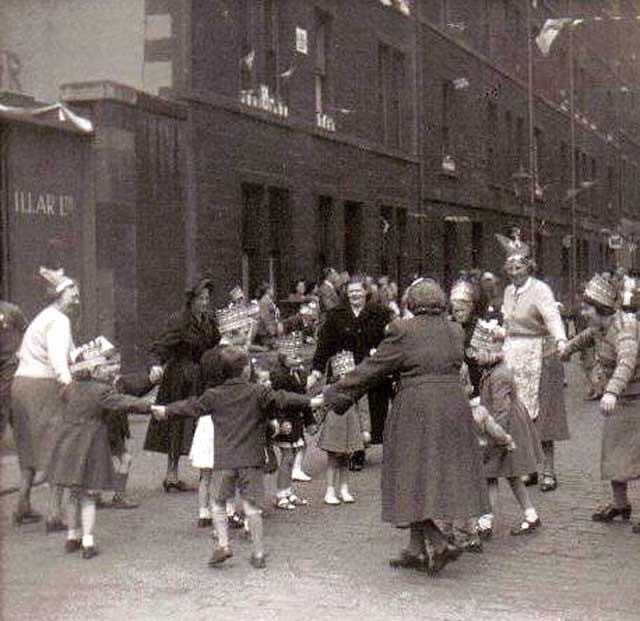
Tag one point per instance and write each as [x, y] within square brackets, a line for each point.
[617, 371]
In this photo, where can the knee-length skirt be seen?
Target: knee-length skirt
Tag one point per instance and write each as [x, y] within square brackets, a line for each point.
[620, 454]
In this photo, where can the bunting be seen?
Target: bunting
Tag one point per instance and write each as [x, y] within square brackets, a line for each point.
[65, 115]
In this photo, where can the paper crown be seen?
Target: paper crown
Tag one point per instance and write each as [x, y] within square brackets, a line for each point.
[462, 291]
[93, 354]
[514, 247]
[236, 293]
[487, 337]
[56, 280]
[602, 292]
[310, 309]
[291, 345]
[342, 363]
[237, 317]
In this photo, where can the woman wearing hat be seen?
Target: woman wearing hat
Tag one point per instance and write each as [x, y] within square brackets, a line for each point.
[179, 349]
[41, 383]
[614, 333]
[534, 336]
[432, 466]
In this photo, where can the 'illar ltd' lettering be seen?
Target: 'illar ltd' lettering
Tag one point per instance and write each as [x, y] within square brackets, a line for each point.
[49, 205]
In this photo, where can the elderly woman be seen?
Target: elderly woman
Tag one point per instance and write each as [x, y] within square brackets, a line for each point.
[432, 467]
[534, 336]
[614, 333]
[179, 349]
[39, 387]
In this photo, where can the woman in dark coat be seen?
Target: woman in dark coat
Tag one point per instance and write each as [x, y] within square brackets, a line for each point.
[432, 466]
[179, 349]
[357, 326]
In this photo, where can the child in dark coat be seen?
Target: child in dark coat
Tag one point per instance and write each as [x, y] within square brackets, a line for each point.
[240, 410]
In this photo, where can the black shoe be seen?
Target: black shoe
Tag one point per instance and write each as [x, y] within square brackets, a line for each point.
[204, 522]
[408, 560]
[176, 486]
[258, 562]
[54, 526]
[72, 545]
[530, 479]
[89, 552]
[609, 512]
[219, 555]
[549, 483]
[26, 517]
[440, 558]
[636, 528]
[236, 521]
[356, 463]
[473, 544]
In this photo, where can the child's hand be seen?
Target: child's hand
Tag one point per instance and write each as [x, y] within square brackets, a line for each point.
[366, 438]
[155, 373]
[159, 412]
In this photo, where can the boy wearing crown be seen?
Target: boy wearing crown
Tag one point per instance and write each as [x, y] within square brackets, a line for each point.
[239, 409]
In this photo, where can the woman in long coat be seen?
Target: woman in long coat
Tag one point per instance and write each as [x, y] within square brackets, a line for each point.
[179, 349]
[432, 466]
[614, 333]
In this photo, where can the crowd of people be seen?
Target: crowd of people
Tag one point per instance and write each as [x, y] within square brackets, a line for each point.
[477, 374]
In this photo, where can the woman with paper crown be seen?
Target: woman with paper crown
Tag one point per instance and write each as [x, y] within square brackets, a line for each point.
[38, 390]
[432, 466]
[534, 336]
[614, 333]
[179, 348]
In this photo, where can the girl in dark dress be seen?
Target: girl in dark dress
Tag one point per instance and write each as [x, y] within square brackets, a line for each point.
[179, 349]
[432, 465]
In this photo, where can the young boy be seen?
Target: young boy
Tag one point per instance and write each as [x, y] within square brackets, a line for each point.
[240, 410]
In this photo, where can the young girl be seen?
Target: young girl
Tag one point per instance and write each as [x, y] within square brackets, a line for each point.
[289, 375]
[340, 436]
[498, 394]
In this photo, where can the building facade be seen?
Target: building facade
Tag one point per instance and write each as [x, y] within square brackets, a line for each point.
[259, 140]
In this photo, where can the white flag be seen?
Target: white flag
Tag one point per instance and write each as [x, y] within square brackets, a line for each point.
[549, 32]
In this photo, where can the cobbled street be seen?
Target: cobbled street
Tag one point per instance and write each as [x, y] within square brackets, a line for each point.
[329, 562]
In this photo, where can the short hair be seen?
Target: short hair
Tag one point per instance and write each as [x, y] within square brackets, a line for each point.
[233, 362]
[425, 296]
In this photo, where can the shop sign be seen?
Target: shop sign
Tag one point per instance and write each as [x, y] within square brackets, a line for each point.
[43, 204]
[301, 40]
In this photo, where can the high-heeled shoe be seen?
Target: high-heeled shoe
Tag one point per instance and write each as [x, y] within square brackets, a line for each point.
[609, 512]
[28, 516]
[440, 558]
[409, 560]
[177, 486]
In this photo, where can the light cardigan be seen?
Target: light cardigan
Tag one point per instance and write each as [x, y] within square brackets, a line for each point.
[46, 347]
[531, 310]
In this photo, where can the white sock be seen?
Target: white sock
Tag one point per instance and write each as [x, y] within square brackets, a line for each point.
[531, 515]
[204, 513]
[486, 521]
[73, 533]
[87, 541]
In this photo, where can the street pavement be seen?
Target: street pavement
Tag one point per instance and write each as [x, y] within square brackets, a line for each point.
[329, 562]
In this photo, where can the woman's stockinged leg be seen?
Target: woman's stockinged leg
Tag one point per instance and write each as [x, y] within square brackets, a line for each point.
[283, 478]
[204, 494]
[520, 492]
[417, 545]
[619, 493]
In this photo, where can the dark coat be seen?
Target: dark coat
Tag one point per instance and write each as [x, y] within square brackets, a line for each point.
[179, 349]
[290, 380]
[499, 395]
[239, 410]
[342, 330]
[81, 455]
[432, 464]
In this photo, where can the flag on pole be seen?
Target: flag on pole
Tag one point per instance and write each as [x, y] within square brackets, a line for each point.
[550, 30]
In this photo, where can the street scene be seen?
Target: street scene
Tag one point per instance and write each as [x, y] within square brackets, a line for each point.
[319, 308]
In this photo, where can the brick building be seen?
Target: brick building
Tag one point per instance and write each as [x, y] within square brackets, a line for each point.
[266, 139]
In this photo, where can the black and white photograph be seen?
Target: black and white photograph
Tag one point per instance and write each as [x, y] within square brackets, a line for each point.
[319, 309]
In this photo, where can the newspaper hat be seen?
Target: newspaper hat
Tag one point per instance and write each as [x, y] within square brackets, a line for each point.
[515, 249]
[238, 317]
[236, 294]
[486, 338]
[630, 294]
[342, 363]
[95, 353]
[601, 292]
[462, 291]
[56, 280]
[291, 345]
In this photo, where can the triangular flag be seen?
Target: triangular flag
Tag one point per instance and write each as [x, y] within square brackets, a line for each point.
[550, 30]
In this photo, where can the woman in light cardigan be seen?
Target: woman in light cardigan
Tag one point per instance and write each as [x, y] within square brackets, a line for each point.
[38, 390]
[534, 336]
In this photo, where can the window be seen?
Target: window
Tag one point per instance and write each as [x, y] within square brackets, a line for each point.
[323, 26]
[397, 97]
[247, 46]
[492, 133]
[476, 244]
[325, 227]
[520, 159]
[564, 166]
[353, 234]
[509, 167]
[270, 30]
[446, 115]
[383, 104]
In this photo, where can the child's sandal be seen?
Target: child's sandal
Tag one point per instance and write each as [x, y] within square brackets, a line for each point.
[285, 504]
[297, 501]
